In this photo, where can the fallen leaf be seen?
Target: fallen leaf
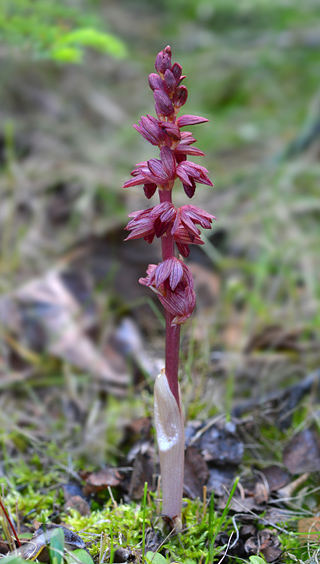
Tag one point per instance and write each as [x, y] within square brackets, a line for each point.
[276, 338]
[48, 318]
[261, 493]
[195, 473]
[276, 477]
[310, 527]
[302, 453]
[98, 481]
[77, 502]
[143, 470]
[266, 543]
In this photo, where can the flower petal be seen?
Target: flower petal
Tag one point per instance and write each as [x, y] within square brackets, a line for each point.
[190, 120]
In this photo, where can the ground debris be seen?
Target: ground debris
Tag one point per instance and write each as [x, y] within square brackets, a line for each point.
[219, 443]
[47, 317]
[276, 477]
[219, 479]
[266, 542]
[143, 471]
[277, 338]
[101, 480]
[196, 473]
[302, 453]
[37, 547]
[281, 402]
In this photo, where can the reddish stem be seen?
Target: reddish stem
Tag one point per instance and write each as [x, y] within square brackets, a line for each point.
[172, 332]
[10, 523]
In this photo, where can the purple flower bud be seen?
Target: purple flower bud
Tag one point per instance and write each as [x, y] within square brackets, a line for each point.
[163, 102]
[163, 60]
[155, 81]
[180, 96]
[176, 71]
[169, 81]
[190, 120]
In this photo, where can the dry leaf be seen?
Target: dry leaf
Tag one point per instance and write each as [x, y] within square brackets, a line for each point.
[98, 481]
[46, 315]
[302, 454]
[143, 470]
[310, 527]
[195, 473]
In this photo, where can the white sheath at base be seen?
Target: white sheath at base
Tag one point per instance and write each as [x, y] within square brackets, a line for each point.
[170, 437]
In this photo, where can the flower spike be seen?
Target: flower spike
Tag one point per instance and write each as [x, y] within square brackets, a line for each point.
[171, 279]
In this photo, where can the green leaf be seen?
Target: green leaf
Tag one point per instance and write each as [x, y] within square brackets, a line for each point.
[54, 30]
[89, 37]
[79, 555]
[12, 559]
[257, 560]
[155, 558]
[66, 54]
[56, 546]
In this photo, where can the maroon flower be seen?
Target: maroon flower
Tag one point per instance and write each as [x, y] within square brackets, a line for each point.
[161, 172]
[184, 228]
[151, 222]
[181, 223]
[173, 283]
[188, 216]
[190, 173]
[149, 128]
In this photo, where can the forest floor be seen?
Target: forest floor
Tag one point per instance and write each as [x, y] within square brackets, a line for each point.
[82, 341]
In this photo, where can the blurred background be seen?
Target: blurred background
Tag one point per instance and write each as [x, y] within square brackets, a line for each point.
[81, 341]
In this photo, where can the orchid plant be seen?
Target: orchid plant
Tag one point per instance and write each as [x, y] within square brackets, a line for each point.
[171, 280]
